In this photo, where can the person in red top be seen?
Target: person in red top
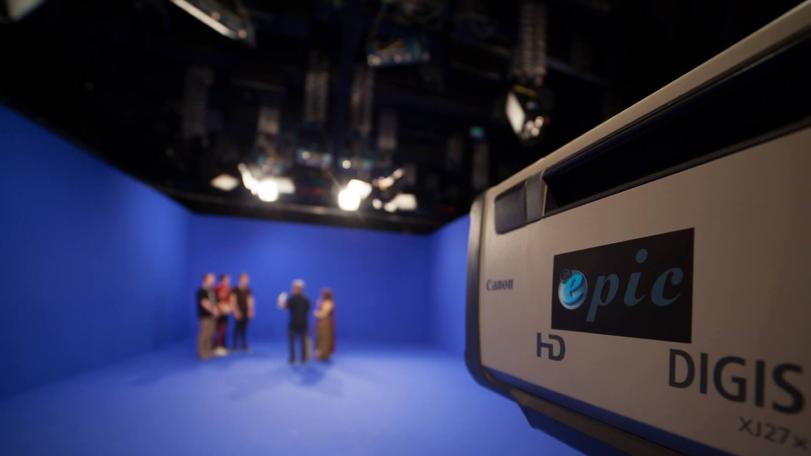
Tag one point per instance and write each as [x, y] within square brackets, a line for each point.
[225, 305]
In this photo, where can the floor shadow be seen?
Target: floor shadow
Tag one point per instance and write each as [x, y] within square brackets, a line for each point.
[251, 385]
[310, 375]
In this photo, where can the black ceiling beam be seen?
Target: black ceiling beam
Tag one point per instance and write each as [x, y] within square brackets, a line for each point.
[304, 213]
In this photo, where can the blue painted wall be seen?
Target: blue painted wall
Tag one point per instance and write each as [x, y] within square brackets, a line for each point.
[92, 260]
[380, 280]
[448, 268]
[99, 266]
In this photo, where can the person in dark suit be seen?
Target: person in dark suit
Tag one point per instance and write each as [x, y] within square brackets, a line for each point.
[298, 308]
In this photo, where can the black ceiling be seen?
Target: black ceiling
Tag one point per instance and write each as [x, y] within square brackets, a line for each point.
[113, 77]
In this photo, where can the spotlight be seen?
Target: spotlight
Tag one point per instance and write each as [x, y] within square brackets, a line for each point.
[267, 190]
[387, 182]
[406, 202]
[350, 197]
[226, 22]
[384, 183]
[248, 180]
[348, 200]
[346, 164]
[225, 182]
[525, 109]
[515, 113]
[401, 202]
[285, 185]
[361, 188]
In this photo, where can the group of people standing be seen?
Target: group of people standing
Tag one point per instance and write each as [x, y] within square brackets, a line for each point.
[217, 301]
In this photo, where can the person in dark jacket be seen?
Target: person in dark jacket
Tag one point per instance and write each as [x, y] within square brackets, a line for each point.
[243, 311]
[298, 308]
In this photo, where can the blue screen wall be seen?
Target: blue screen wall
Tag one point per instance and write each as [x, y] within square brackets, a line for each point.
[99, 266]
[93, 262]
[380, 280]
[448, 281]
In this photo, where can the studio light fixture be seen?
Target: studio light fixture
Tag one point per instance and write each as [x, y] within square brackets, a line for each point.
[515, 113]
[350, 197]
[386, 182]
[266, 188]
[348, 200]
[221, 19]
[524, 112]
[401, 202]
[225, 182]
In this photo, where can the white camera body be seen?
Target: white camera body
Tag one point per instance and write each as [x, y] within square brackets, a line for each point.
[647, 287]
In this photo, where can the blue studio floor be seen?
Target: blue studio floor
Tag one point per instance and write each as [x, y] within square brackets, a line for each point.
[370, 400]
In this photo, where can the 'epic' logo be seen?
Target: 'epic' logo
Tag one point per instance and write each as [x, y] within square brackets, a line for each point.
[652, 277]
[573, 289]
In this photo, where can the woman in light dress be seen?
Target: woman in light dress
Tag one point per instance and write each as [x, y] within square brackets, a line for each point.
[325, 326]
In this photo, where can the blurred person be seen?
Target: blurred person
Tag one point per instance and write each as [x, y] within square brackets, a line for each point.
[206, 313]
[325, 326]
[225, 305]
[298, 307]
[243, 312]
